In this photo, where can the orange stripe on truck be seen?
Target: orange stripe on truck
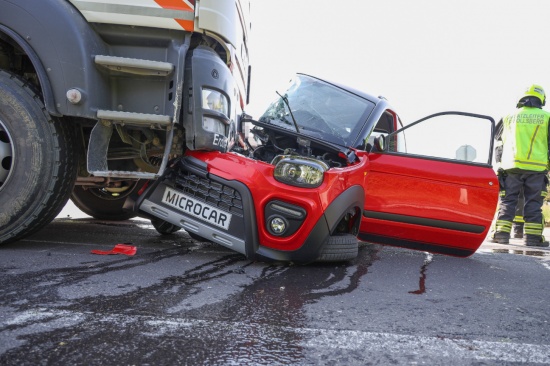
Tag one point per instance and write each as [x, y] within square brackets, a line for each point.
[188, 25]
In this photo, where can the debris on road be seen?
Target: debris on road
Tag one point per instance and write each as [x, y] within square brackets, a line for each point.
[125, 249]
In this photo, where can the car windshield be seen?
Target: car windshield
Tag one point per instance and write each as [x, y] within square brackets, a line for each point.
[319, 110]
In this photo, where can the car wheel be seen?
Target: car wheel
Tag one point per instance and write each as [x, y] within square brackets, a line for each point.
[164, 227]
[37, 159]
[106, 203]
[339, 248]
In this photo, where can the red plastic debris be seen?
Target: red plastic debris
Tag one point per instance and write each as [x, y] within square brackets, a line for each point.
[118, 249]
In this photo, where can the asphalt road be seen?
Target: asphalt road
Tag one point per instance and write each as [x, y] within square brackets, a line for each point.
[181, 302]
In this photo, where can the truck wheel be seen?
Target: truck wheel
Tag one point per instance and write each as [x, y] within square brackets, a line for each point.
[339, 248]
[106, 203]
[38, 161]
[164, 227]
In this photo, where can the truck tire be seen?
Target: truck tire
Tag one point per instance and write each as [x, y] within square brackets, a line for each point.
[339, 248]
[102, 204]
[38, 160]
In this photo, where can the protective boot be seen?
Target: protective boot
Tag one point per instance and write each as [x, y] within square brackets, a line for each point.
[518, 230]
[501, 237]
[535, 241]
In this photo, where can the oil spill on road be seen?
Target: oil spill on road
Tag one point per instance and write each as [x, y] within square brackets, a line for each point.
[422, 280]
[218, 309]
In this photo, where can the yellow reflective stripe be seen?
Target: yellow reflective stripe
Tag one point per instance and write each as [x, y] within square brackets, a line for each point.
[530, 163]
[532, 228]
[519, 219]
[503, 226]
[533, 232]
[504, 223]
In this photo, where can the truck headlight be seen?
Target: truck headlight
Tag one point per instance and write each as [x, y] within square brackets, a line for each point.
[213, 125]
[299, 171]
[215, 101]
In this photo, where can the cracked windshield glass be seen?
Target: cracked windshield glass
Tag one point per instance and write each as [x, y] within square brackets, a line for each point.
[320, 110]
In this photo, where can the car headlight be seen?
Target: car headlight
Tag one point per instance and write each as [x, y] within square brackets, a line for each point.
[215, 101]
[299, 171]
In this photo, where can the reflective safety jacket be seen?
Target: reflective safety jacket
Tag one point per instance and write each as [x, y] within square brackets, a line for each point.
[525, 139]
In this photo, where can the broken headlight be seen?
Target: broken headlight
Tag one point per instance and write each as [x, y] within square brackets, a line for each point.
[299, 171]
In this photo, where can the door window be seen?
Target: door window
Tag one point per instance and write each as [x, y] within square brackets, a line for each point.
[430, 185]
[456, 136]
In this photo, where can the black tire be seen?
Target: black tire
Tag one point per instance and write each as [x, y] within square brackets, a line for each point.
[198, 237]
[339, 248]
[38, 160]
[103, 204]
[164, 227]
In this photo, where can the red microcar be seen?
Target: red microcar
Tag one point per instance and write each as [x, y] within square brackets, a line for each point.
[326, 165]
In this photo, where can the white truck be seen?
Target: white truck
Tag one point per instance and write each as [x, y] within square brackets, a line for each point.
[98, 96]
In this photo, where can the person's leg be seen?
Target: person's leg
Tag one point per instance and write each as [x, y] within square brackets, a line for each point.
[534, 190]
[518, 219]
[508, 203]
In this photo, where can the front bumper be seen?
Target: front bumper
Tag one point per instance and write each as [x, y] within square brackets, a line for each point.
[223, 211]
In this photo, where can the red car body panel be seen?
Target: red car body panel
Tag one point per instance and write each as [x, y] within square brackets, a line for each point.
[264, 188]
[435, 205]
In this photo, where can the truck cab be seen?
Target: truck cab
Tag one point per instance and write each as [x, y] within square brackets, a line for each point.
[97, 98]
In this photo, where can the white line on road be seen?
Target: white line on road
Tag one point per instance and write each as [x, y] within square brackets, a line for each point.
[432, 347]
[319, 340]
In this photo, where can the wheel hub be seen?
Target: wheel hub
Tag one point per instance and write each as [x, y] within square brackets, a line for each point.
[6, 154]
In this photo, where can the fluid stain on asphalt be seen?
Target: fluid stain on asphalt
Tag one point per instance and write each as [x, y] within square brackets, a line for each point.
[532, 253]
[257, 321]
[422, 280]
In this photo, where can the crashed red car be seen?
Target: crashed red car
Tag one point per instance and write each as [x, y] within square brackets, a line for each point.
[326, 165]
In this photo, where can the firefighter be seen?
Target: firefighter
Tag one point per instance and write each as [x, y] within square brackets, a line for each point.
[524, 165]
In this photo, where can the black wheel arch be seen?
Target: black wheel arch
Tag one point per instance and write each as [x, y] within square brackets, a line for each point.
[45, 86]
[351, 198]
[59, 42]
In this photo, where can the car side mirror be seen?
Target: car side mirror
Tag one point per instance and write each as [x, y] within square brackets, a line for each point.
[380, 143]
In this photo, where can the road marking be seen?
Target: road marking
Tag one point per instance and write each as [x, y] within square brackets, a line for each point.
[432, 347]
[320, 340]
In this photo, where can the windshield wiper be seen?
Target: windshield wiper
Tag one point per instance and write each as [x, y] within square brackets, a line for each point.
[285, 99]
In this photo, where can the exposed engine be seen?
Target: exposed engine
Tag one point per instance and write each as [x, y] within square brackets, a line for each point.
[264, 144]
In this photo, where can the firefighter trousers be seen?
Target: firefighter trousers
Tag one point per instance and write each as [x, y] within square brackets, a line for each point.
[534, 191]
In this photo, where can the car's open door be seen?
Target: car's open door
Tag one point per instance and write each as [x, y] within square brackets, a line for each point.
[431, 186]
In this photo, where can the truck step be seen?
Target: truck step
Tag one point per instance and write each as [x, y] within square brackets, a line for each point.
[124, 174]
[135, 66]
[132, 118]
[98, 154]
